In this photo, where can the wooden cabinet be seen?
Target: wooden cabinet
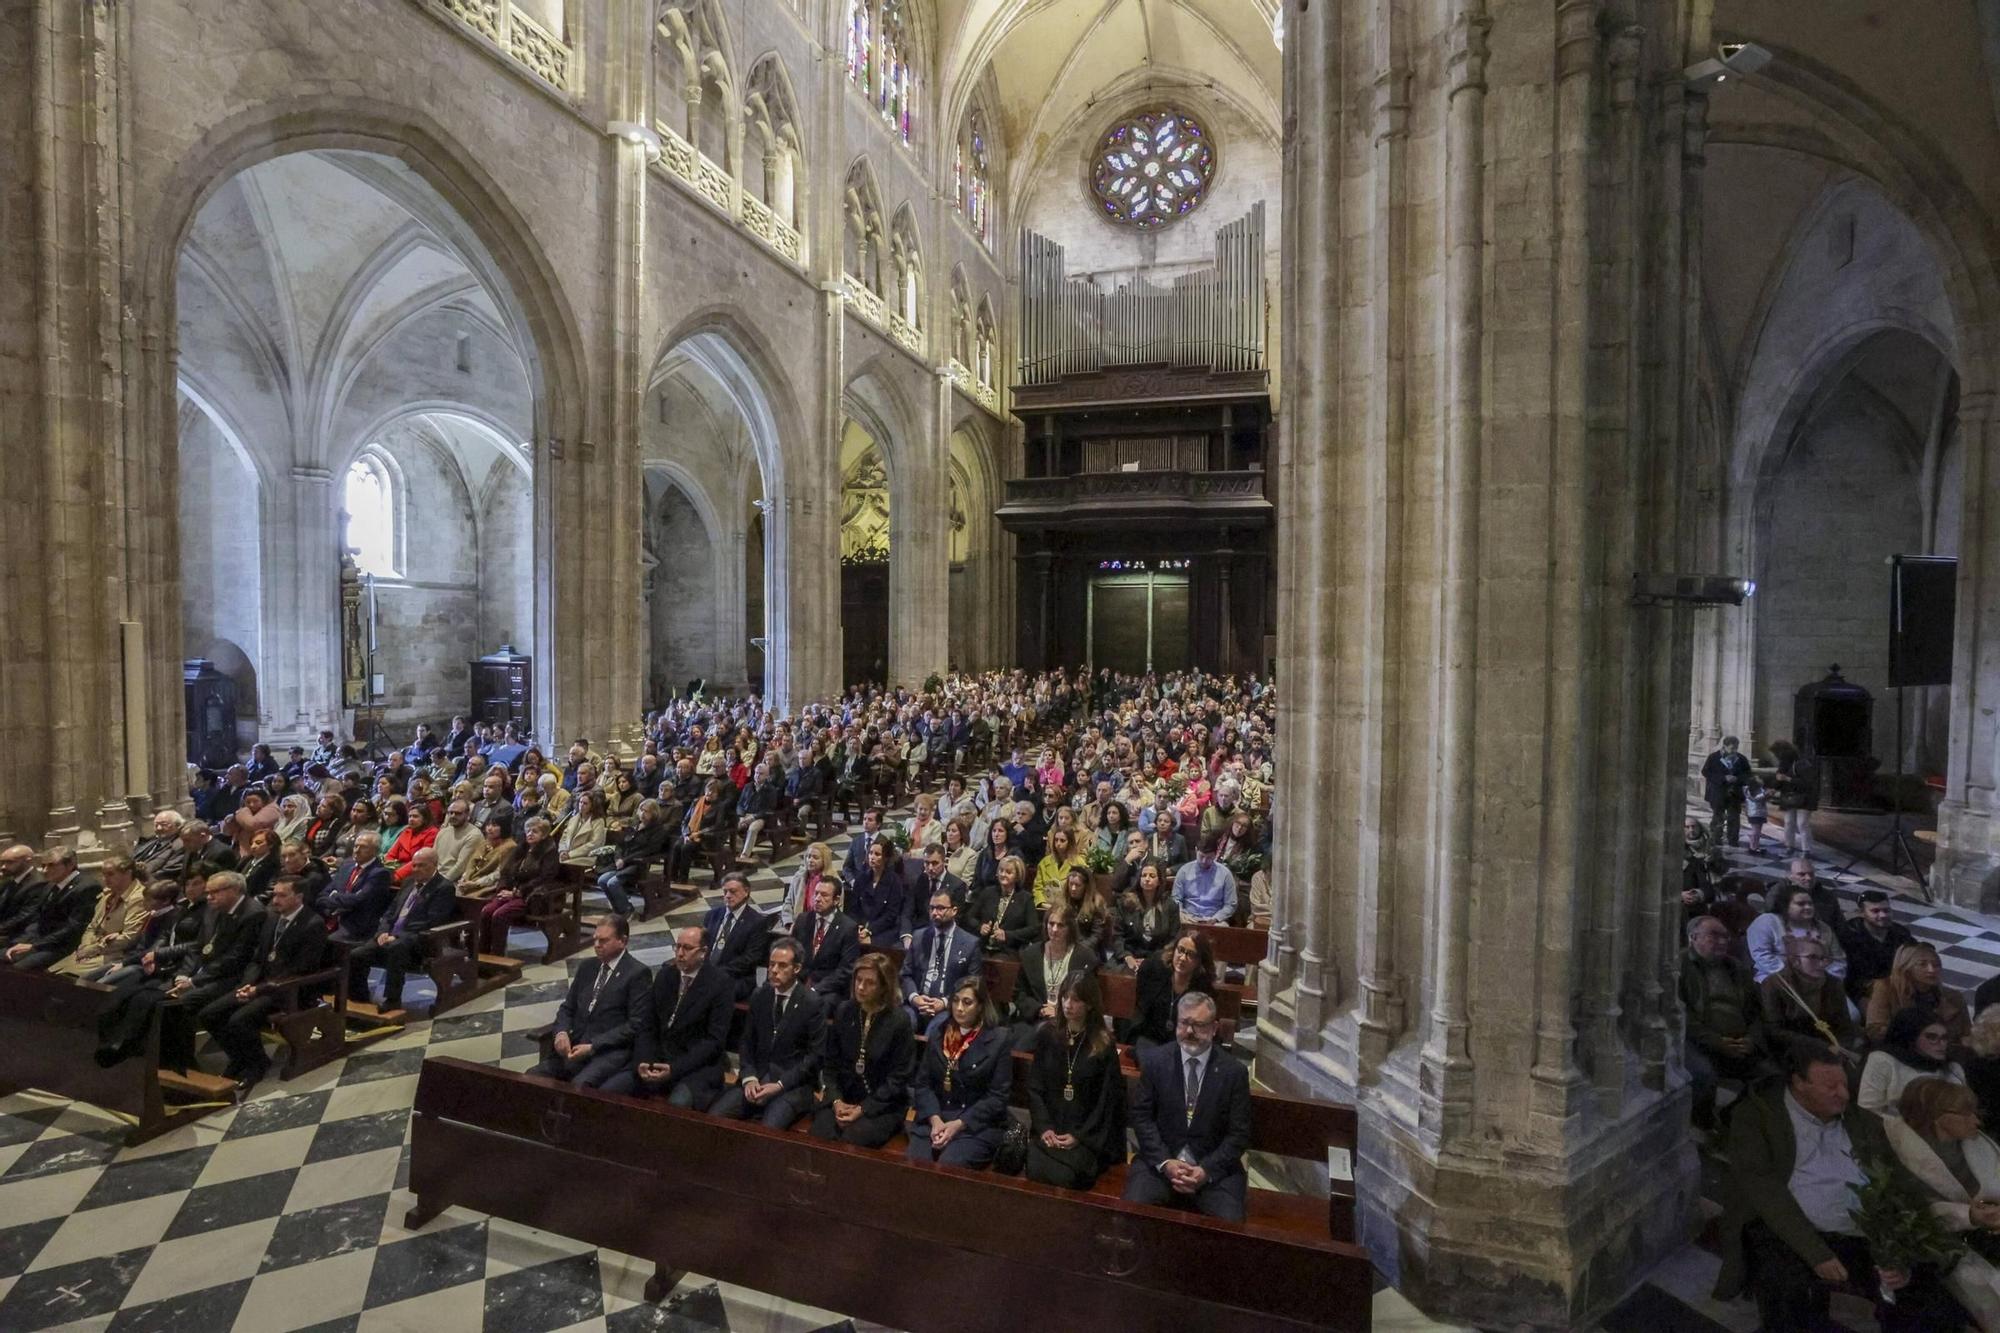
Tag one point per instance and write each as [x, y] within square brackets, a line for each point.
[503, 689]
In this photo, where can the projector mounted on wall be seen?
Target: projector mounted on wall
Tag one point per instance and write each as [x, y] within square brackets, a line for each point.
[1690, 589]
[1731, 60]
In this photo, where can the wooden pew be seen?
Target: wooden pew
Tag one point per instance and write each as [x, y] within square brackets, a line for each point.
[48, 1041]
[459, 974]
[740, 1203]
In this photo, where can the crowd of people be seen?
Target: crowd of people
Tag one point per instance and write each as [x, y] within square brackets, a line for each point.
[1069, 823]
[1826, 1053]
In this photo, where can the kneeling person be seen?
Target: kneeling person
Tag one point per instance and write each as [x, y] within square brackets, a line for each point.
[779, 1056]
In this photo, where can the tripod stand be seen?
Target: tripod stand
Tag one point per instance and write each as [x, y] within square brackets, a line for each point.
[1896, 835]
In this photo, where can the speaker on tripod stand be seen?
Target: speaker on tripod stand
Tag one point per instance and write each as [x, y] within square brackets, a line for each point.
[1923, 606]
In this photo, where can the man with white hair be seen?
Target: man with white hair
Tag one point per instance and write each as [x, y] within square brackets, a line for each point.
[355, 898]
[161, 856]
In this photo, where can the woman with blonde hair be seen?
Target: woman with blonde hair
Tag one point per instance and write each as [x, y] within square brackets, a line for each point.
[1916, 980]
[1063, 856]
[1938, 1140]
[815, 865]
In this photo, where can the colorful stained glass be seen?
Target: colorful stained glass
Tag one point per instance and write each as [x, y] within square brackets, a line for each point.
[1153, 168]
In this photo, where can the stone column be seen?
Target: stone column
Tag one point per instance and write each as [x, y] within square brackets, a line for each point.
[1471, 907]
[919, 554]
[305, 618]
[1967, 871]
[77, 519]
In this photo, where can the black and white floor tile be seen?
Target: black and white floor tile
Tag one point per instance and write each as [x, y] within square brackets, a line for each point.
[286, 1212]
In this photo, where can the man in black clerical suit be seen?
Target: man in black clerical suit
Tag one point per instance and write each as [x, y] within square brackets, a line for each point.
[780, 1053]
[831, 941]
[598, 1019]
[1192, 1115]
[737, 935]
[184, 979]
[292, 943]
[426, 899]
[68, 901]
[682, 1030]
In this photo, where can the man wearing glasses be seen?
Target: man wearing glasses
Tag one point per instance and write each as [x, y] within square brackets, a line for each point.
[1192, 1115]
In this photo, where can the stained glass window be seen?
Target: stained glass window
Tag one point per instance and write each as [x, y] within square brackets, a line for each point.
[879, 44]
[978, 182]
[1153, 168]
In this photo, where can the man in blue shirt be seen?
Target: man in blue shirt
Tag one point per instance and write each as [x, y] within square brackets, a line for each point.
[1204, 889]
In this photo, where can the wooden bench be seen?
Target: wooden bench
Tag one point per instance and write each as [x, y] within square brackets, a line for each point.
[1019, 1254]
[459, 974]
[48, 1041]
[315, 1033]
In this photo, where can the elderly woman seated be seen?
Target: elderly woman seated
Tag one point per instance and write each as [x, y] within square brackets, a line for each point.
[1937, 1137]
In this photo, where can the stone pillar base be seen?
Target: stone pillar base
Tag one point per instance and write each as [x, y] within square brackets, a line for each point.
[1516, 1235]
[1967, 870]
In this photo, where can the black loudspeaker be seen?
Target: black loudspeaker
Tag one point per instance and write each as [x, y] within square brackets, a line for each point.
[1923, 602]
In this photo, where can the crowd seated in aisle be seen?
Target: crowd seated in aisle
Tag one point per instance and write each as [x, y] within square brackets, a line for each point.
[1806, 1081]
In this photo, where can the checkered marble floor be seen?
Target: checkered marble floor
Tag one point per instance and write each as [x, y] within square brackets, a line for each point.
[286, 1212]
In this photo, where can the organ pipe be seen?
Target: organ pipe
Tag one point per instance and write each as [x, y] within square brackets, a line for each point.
[1210, 319]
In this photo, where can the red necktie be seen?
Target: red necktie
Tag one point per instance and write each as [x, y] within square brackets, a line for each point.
[819, 935]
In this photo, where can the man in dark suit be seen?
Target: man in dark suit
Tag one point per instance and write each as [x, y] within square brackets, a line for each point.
[938, 956]
[67, 904]
[682, 1030]
[598, 1019]
[1192, 1116]
[781, 1048]
[185, 978]
[203, 851]
[831, 941]
[1725, 776]
[737, 935]
[359, 892]
[21, 889]
[855, 862]
[426, 899]
[292, 943]
[939, 880]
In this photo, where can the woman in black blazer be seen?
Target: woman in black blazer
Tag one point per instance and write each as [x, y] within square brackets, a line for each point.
[964, 1077]
[1187, 965]
[870, 1055]
[1076, 1092]
[1006, 912]
[999, 846]
[1044, 967]
[1148, 916]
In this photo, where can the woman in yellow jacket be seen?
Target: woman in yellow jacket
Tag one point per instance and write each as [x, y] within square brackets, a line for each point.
[1064, 853]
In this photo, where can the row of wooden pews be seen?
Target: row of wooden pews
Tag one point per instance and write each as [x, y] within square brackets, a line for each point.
[867, 1233]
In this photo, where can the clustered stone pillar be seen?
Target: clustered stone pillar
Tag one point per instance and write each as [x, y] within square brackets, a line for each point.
[1968, 859]
[1472, 937]
[87, 530]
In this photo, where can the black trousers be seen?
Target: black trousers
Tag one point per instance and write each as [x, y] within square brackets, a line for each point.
[238, 1026]
[870, 1131]
[397, 959]
[1728, 818]
[177, 1023]
[1791, 1298]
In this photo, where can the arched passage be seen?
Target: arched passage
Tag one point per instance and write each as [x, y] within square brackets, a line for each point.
[716, 417]
[383, 365]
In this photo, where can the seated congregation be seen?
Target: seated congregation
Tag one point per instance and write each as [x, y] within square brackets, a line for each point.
[1050, 919]
[1849, 1097]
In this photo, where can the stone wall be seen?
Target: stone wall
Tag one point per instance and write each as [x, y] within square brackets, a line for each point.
[221, 567]
[683, 610]
[1843, 503]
